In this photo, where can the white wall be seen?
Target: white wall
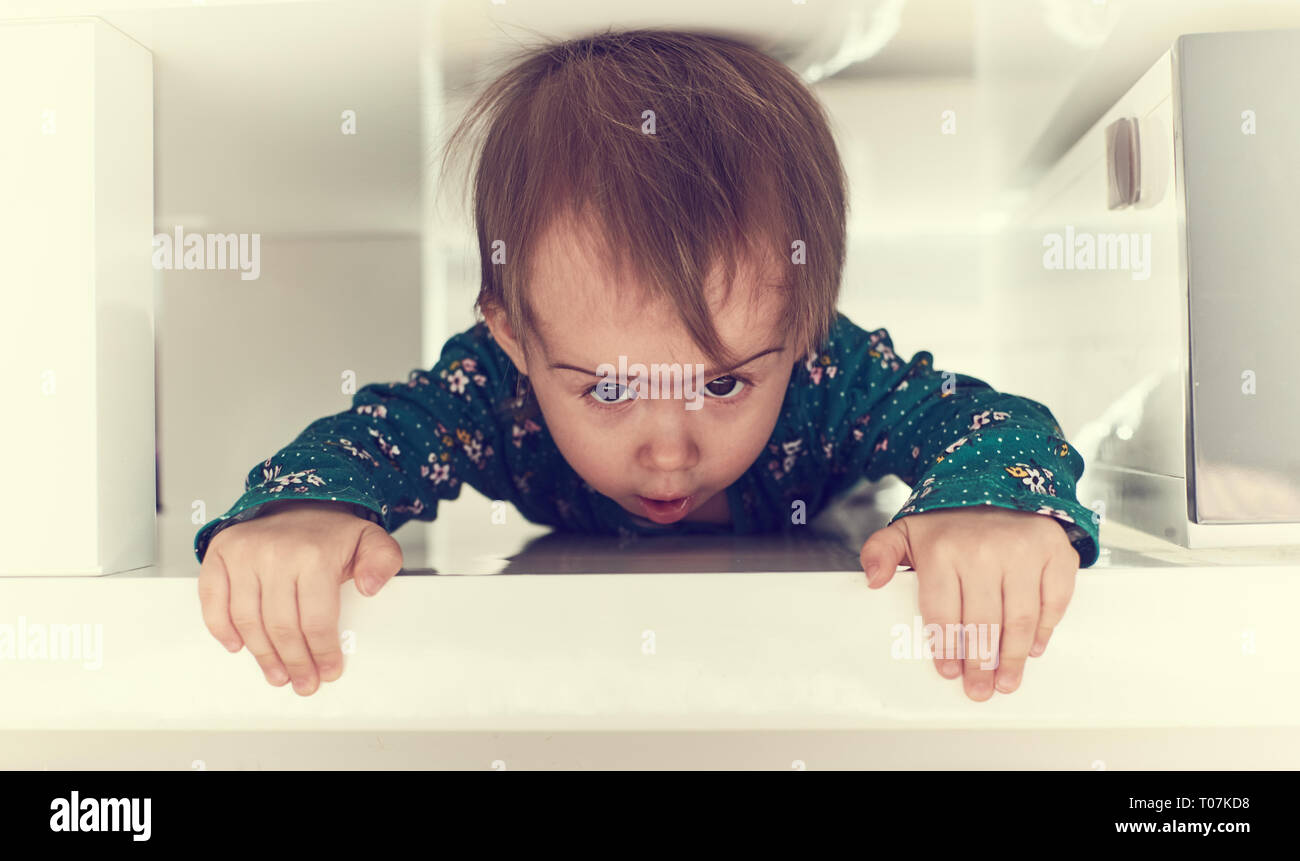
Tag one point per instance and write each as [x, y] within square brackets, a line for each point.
[245, 366]
[919, 192]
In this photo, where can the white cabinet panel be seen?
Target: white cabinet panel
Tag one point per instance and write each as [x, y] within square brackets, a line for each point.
[76, 329]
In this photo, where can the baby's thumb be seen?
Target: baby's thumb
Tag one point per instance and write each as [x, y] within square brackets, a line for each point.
[882, 553]
[377, 559]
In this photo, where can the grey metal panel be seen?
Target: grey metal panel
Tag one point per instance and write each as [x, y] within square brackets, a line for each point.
[1243, 215]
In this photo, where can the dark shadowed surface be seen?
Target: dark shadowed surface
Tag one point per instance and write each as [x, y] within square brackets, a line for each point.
[830, 542]
[573, 553]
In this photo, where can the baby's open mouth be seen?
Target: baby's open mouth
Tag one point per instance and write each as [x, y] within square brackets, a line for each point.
[665, 511]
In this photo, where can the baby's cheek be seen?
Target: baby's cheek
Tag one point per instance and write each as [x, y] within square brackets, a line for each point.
[598, 453]
[735, 446]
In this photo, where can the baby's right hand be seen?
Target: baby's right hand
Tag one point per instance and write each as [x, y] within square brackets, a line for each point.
[272, 583]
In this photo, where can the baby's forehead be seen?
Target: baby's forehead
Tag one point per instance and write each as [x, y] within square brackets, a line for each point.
[579, 287]
[601, 326]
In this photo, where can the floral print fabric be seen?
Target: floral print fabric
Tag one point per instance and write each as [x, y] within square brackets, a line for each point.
[853, 410]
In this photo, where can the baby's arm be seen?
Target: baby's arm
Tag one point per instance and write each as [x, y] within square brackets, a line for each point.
[951, 437]
[399, 449]
[970, 445]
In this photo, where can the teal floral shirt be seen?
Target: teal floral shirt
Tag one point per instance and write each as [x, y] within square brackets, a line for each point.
[853, 410]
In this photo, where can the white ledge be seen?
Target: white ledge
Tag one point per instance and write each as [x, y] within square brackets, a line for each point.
[1175, 645]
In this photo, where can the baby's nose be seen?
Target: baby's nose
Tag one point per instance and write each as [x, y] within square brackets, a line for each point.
[672, 455]
[669, 444]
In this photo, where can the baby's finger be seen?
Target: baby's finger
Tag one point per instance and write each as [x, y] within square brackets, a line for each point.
[1021, 604]
[214, 598]
[981, 616]
[1057, 589]
[280, 613]
[318, 607]
[246, 613]
[939, 597]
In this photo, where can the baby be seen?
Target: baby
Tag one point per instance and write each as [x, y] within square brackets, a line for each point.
[661, 224]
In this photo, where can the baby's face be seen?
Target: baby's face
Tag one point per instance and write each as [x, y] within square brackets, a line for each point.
[638, 450]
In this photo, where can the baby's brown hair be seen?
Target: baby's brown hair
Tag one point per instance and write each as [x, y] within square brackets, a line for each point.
[741, 164]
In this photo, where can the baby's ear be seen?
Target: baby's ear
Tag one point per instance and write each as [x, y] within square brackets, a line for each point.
[504, 335]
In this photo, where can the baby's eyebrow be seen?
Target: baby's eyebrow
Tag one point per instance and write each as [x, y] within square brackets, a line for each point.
[713, 373]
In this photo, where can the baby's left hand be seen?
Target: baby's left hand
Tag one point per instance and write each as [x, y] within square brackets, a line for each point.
[982, 566]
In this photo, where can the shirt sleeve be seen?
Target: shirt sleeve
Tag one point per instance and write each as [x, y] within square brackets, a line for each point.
[951, 437]
[399, 449]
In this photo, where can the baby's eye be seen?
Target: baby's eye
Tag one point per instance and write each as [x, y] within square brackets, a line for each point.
[724, 388]
[609, 392]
